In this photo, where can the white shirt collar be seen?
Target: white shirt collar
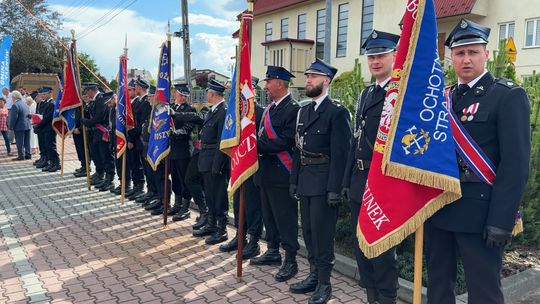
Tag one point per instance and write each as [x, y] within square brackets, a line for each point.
[144, 95]
[474, 81]
[281, 99]
[93, 99]
[319, 100]
[217, 104]
[384, 82]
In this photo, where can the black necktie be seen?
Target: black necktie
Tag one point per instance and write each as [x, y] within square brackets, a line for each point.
[462, 89]
[377, 89]
[314, 105]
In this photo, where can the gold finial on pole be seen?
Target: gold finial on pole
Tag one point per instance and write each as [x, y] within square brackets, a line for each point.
[168, 30]
[72, 34]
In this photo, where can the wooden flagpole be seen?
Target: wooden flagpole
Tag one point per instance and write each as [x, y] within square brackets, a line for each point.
[166, 160]
[63, 144]
[418, 252]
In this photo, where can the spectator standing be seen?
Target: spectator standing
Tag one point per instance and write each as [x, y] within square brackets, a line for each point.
[9, 103]
[32, 109]
[18, 122]
[3, 123]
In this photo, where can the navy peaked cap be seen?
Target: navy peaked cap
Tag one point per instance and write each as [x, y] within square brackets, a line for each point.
[320, 67]
[44, 90]
[467, 32]
[215, 86]
[182, 88]
[107, 96]
[89, 85]
[152, 90]
[380, 43]
[254, 81]
[142, 83]
[277, 72]
[131, 84]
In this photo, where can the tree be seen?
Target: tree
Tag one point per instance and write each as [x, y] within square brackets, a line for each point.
[201, 80]
[113, 85]
[33, 50]
[86, 76]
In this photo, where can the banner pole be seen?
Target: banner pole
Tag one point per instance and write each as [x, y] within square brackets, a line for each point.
[418, 252]
[240, 236]
[123, 179]
[63, 144]
[166, 194]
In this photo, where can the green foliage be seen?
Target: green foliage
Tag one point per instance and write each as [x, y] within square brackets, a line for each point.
[531, 201]
[347, 87]
[450, 76]
[33, 50]
[113, 85]
[85, 75]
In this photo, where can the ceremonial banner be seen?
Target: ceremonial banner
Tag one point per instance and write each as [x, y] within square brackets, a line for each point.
[69, 95]
[5, 49]
[57, 122]
[158, 144]
[124, 114]
[414, 168]
[239, 136]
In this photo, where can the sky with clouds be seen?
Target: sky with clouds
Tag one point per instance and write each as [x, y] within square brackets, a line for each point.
[101, 25]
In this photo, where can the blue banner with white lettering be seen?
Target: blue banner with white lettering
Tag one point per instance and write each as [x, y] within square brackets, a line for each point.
[159, 126]
[5, 49]
[230, 136]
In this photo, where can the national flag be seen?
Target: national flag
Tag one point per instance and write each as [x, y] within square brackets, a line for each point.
[124, 113]
[70, 97]
[158, 144]
[239, 137]
[414, 167]
[57, 122]
[5, 49]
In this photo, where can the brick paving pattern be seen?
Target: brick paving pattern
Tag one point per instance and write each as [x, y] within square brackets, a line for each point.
[63, 244]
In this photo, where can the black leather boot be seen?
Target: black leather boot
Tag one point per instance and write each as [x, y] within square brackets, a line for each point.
[322, 294]
[289, 268]
[144, 198]
[252, 249]
[55, 166]
[308, 284]
[372, 295]
[42, 164]
[220, 235]
[97, 178]
[107, 184]
[183, 213]
[176, 207]
[270, 257]
[386, 300]
[138, 189]
[200, 221]
[208, 229]
[231, 245]
[159, 210]
[155, 204]
[38, 161]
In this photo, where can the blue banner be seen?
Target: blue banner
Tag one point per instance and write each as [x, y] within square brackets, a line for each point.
[230, 136]
[423, 139]
[158, 144]
[5, 49]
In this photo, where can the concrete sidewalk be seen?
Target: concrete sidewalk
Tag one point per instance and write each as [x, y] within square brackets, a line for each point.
[61, 243]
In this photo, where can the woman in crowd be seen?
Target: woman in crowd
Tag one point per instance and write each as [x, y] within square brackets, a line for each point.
[33, 136]
[3, 124]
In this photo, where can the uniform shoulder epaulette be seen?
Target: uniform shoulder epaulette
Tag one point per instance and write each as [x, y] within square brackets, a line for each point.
[337, 103]
[506, 82]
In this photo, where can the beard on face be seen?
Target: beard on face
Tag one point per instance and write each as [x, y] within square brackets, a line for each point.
[315, 90]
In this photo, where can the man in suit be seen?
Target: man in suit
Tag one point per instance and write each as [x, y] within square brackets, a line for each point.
[180, 154]
[133, 163]
[323, 135]
[275, 147]
[44, 127]
[20, 124]
[379, 275]
[495, 113]
[78, 140]
[252, 206]
[215, 167]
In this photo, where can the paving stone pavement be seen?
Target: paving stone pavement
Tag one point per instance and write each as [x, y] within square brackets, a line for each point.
[61, 243]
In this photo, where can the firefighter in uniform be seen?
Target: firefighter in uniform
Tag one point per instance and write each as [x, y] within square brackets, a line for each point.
[78, 141]
[98, 123]
[214, 166]
[44, 127]
[379, 275]
[323, 136]
[193, 178]
[133, 161]
[112, 105]
[496, 115]
[279, 209]
[42, 161]
[252, 197]
[180, 137]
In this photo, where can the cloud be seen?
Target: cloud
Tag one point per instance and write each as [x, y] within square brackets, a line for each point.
[206, 20]
[105, 44]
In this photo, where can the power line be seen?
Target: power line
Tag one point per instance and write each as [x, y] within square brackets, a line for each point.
[110, 19]
[108, 13]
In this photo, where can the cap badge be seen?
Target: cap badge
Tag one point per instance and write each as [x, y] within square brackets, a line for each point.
[464, 24]
[374, 35]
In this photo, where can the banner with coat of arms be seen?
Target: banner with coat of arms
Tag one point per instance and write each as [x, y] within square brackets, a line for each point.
[414, 169]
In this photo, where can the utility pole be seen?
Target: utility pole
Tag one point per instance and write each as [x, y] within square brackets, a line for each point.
[184, 34]
[328, 32]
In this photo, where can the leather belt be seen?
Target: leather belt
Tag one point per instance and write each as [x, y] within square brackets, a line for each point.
[305, 161]
[209, 146]
[362, 164]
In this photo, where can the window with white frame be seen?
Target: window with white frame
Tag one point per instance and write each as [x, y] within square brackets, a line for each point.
[532, 33]
[302, 26]
[268, 31]
[506, 30]
[284, 28]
